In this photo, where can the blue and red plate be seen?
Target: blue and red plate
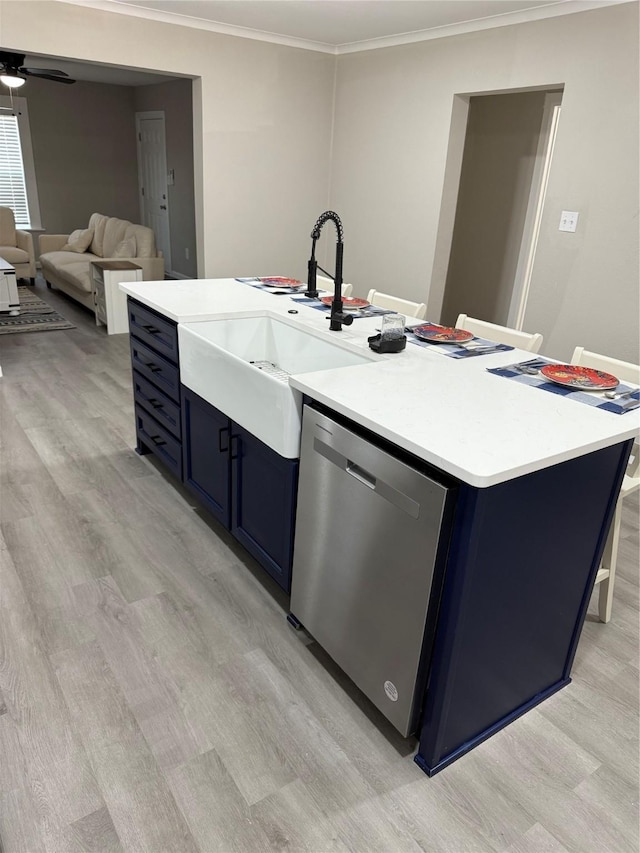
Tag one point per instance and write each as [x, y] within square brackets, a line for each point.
[280, 281]
[576, 376]
[435, 334]
[349, 303]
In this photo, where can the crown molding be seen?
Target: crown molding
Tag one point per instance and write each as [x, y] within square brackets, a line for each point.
[176, 20]
[551, 10]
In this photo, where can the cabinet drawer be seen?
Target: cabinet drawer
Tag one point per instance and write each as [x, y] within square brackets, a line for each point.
[157, 404]
[160, 442]
[98, 286]
[155, 368]
[154, 330]
[100, 306]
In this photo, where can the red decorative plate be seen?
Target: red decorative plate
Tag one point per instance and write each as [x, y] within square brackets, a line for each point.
[575, 376]
[436, 334]
[349, 303]
[280, 281]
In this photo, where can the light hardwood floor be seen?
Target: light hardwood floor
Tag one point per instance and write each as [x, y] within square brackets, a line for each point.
[154, 698]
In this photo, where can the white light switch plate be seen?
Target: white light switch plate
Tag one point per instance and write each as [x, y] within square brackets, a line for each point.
[568, 220]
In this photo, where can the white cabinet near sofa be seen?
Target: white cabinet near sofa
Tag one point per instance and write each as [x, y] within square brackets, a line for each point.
[110, 303]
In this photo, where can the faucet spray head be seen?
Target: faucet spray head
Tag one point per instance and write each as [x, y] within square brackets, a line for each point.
[324, 217]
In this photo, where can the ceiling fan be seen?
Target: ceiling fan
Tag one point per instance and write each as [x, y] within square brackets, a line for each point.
[13, 74]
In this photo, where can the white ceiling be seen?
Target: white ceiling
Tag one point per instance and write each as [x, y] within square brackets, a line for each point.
[340, 26]
[336, 22]
[333, 26]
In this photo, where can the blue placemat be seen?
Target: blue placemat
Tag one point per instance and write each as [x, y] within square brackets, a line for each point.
[369, 311]
[268, 287]
[589, 398]
[458, 351]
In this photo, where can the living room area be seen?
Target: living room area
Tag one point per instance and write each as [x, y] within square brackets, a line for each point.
[83, 155]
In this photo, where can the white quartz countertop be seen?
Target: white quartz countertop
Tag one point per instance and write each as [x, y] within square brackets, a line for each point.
[481, 428]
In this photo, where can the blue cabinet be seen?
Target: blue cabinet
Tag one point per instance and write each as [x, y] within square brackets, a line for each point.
[205, 455]
[520, 571]
[263, 489]
[245, 485]
[156, 385]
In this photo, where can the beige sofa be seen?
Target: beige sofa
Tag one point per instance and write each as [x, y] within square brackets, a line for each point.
[66, 266]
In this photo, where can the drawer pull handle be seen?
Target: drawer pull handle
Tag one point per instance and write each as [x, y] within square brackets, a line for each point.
[155, 403]
[157, 440]
[154, 368]
[235, 449]
[222, 431]
[151, 329]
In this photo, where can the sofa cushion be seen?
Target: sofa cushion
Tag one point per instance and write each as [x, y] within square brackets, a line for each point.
[79, 241]
[125, 249]
[98, 221]
[7, 227]
[114, 233]
[60, 259]
[12, 255]
[145, 240]
[78, 275]
[70, 267]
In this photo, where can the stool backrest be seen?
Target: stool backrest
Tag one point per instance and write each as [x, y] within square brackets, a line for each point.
[501, 334]
[324, 283]
[394, 303]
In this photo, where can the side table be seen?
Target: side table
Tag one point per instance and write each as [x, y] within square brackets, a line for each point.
[9, 300]
[110, 303]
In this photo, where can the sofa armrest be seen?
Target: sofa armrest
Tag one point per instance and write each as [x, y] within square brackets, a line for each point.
[52, 242]
[24, 241]
[152, 268]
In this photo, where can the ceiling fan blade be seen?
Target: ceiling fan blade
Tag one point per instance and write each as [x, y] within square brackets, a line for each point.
[36, 71]
[66, 80]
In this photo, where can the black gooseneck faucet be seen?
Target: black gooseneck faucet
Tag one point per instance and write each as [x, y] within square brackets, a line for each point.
[338, 317]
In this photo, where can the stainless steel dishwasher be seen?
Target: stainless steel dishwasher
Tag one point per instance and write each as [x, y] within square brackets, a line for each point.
[371, 534]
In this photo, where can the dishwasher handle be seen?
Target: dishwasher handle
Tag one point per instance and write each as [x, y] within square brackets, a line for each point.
[360, 474]
[385, 490]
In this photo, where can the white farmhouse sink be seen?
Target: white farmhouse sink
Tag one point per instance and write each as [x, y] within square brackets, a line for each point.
[218, 361]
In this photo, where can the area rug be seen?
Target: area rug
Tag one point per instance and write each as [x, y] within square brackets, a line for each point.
[35, 316]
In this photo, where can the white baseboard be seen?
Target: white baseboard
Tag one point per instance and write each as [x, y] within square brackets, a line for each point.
[180, 275]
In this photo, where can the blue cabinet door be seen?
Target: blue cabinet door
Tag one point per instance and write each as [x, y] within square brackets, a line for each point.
[263, 503]
[205, 454]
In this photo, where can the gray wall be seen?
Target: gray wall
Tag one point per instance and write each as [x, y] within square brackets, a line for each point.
[86, 160]
[394, 109]
[262, 120]
[174, 98]
[84, 152]
[499, 156]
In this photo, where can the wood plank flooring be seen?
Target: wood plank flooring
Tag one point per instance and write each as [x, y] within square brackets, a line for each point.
[154, 698]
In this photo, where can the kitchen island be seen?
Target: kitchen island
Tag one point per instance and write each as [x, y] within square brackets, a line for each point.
[537, 478]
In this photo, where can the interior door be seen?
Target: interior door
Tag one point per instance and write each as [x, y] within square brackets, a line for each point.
[152, 179]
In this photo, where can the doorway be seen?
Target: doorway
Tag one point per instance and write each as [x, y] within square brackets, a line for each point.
[152, 179]
[506, 157]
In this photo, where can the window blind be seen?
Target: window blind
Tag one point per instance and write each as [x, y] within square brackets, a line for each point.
[13, 188]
